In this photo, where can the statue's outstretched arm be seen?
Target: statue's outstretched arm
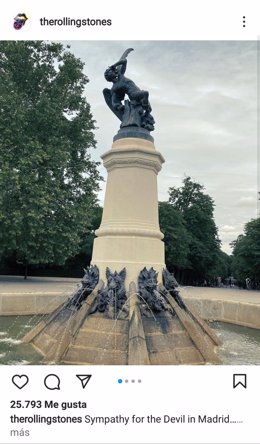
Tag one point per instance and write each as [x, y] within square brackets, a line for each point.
[121, 63]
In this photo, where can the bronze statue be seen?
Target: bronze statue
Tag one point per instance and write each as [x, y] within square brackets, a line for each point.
[148, 292]
[88, 283]
[112, 298]
[134, 111]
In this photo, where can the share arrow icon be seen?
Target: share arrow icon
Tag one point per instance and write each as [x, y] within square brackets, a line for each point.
[84, 379]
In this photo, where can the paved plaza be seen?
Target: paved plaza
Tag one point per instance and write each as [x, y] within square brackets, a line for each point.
[37, 295]
[17, 285]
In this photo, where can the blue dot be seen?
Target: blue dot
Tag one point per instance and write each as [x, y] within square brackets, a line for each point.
[120, 381]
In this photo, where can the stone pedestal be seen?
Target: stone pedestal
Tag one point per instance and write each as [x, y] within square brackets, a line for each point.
[129, 235]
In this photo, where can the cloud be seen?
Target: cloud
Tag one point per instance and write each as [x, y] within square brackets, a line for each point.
[228, 229]
[247, 201]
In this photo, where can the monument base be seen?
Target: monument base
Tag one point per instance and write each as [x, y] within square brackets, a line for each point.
[129, 235]
[84, 336]
[130, 252]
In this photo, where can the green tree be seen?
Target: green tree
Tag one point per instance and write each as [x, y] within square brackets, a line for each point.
[197, 209]
[75, 264]
[223, 265]
[246, 252]
[176, 236]
[88, 238]
[48, 181]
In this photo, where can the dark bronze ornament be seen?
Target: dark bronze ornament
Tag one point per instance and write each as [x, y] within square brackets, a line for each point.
[171, 285]
[148, 293]
[113, 297]
[134, 111]
[88, 283]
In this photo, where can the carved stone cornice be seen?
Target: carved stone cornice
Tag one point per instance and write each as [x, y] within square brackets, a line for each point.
[129, 231]
[138, 157]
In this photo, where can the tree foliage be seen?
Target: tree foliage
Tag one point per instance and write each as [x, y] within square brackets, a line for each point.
[176, 236]
[75, 264]
[48, 181]
[246, 252]
[197, 211]
[222, 266]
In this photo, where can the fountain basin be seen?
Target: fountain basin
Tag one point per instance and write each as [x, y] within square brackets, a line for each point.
[240, 307]
[241, 345]
[234, 306]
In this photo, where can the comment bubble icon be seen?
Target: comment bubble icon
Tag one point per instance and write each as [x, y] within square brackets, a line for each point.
[52, 382]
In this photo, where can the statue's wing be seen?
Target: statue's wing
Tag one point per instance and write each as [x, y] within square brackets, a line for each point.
[122, 274]
[127, 51]
[96, 272]
[108, 99]
[108, 272]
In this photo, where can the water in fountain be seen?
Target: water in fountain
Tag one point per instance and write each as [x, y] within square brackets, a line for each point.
[13, 328]
[111, 337]
[241, 345]
[12, 351]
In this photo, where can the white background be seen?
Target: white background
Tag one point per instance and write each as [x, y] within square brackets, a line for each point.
[137, 20]
[164, 390]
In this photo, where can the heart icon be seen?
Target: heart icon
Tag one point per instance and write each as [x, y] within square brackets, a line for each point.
[20, 381]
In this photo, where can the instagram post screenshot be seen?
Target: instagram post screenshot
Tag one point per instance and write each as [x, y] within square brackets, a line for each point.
[129, 222]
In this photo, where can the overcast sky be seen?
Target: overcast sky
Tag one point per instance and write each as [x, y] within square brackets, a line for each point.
[204, 100]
